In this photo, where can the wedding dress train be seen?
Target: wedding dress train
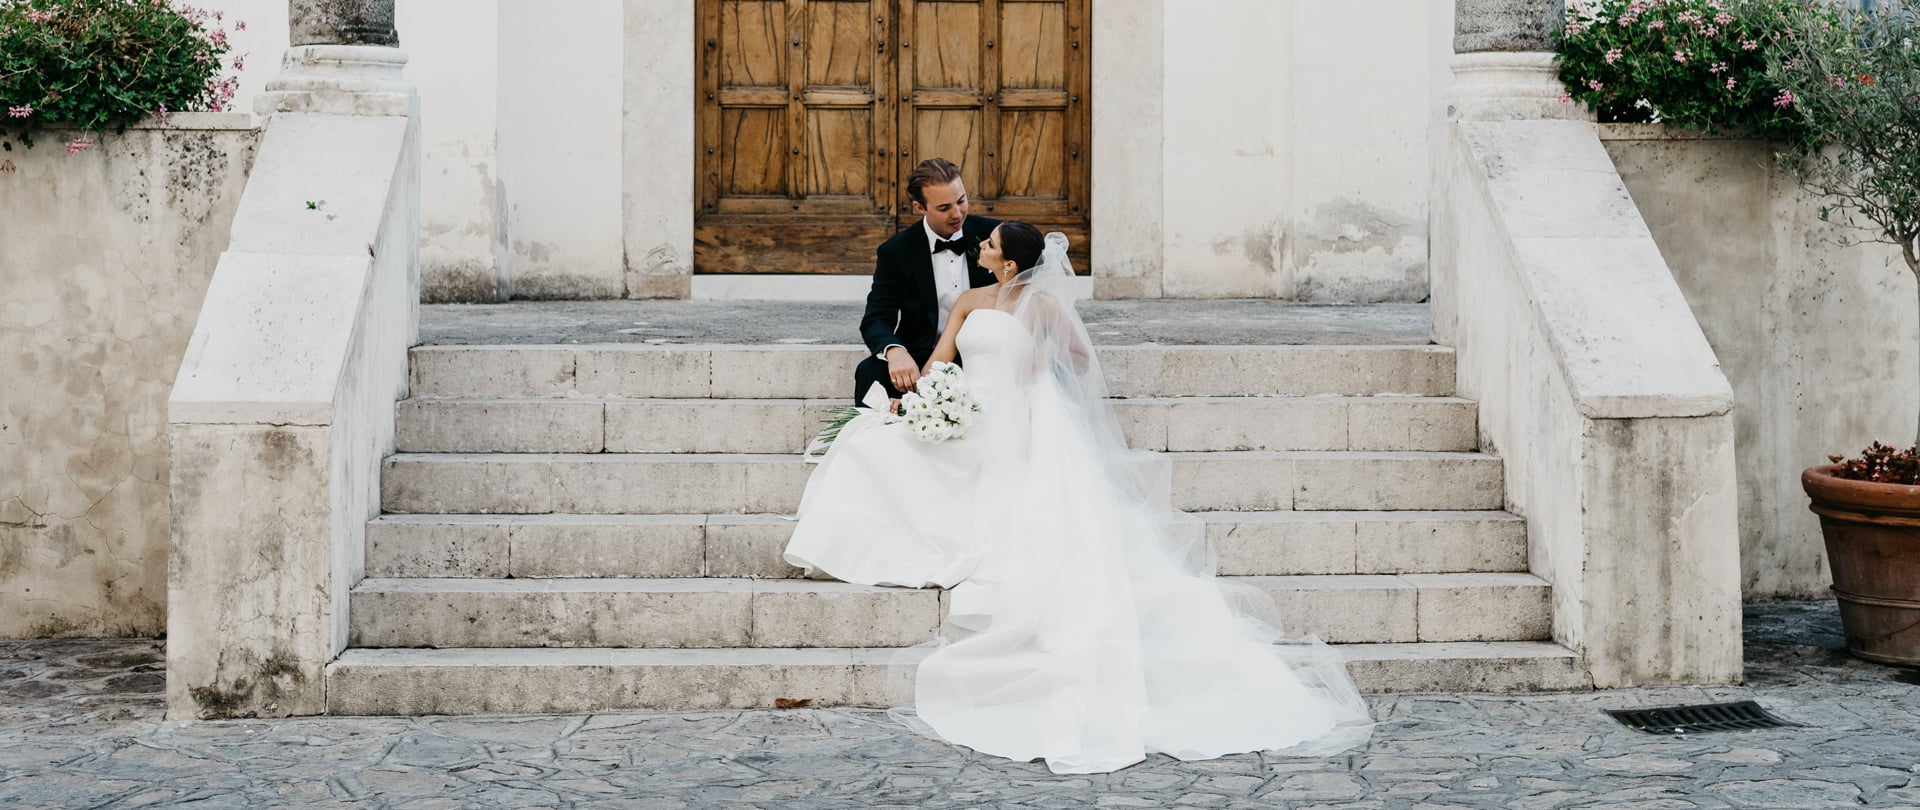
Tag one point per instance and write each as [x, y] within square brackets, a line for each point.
[1086, 626]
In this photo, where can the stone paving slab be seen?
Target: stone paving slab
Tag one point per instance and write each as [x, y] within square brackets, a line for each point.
[1115, 323]
[80, 726]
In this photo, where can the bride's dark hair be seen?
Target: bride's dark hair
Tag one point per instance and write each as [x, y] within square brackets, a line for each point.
[1021, 244]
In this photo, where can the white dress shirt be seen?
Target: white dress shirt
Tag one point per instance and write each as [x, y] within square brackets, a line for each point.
[949, 276]
[950, 279]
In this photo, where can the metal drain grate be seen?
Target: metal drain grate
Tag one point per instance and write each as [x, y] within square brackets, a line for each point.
[1745, 714]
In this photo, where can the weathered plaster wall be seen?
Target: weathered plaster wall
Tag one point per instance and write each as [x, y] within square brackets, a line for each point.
[1821, 341]
[460, 182]
[106, 256]
[559, 131]
[1294, 149]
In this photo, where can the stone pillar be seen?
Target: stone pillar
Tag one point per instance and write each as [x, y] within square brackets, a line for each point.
[342, 22]
[1503, 62]
[345, 60]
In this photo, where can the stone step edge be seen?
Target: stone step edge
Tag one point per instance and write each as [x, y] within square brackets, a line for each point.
[436, 681]
[576, 519]
[795, 458]
[558, 585]
[857, 348]
[1249, 543]
[653, 656]
[1397, 399]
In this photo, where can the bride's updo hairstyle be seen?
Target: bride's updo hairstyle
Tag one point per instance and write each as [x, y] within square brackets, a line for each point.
[1021, 244]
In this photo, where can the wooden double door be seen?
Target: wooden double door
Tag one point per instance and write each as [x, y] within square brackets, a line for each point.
[811, 114]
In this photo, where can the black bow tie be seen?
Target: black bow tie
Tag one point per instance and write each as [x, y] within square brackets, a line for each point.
[958, 246]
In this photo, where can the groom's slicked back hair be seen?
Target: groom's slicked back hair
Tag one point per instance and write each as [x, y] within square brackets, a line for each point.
[930, 172]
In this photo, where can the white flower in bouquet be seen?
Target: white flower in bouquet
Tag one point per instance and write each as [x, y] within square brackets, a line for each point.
[941, 406]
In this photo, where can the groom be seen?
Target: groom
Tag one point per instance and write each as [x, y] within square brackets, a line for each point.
[917, 277]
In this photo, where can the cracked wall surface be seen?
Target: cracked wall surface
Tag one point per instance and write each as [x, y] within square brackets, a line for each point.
[105, 257]
[1294, 155]
[1817, 337]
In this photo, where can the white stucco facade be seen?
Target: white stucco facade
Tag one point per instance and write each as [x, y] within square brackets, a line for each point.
[1242, 148]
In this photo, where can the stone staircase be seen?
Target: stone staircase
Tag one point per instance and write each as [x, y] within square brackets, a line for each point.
[575, 528]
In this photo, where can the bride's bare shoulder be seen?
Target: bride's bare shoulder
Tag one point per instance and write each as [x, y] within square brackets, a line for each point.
[980, 298]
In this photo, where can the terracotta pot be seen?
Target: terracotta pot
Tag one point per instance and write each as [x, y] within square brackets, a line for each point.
[1873, 546]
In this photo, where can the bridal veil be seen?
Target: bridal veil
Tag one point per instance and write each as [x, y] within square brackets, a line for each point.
[1094, 632]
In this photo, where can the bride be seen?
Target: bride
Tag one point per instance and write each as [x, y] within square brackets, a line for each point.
[1085, 627]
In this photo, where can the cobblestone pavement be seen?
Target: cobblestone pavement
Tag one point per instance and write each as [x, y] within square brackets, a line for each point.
[80, 727]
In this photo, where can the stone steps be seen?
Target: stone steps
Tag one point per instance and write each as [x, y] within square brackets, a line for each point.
[552, 681]
[691, 484]
[583, 528]
[719, 613]
[824, 372]
[618, 425]
[750, 546]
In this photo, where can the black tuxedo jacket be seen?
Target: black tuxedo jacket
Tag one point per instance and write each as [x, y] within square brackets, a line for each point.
[903, 307]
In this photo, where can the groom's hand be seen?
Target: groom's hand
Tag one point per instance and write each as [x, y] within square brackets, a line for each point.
[901, 370]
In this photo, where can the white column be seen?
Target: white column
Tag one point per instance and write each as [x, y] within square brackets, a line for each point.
[456, 66]
[1128, 111]
[657, 143]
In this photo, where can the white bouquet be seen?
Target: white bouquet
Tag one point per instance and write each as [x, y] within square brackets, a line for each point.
[941, 405]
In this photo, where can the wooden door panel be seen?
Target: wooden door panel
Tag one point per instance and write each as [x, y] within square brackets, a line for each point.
[838, 97]
[1033, 45]
[954, 134]
[752, 36]
[839, 152]
[1033, 143]
[811, 112]
[945, 47]
[796, 134]
[842, 44]
[754, 143]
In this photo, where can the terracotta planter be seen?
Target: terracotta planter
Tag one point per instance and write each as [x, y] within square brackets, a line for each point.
[1873, 546]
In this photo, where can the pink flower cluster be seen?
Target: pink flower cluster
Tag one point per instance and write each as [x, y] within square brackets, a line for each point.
[39, 16]
[222, 91]
[20, 112]
[83, 142]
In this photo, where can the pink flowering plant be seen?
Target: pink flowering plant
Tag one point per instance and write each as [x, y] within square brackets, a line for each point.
[94, 65]
[1697, 65]
[1854, 82]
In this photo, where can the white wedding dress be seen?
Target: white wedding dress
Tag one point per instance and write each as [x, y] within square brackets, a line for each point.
[1085, 626]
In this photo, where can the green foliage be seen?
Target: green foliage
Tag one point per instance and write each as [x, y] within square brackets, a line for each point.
[837, 418]
[1698, 65]
[92, 65]
[1854, 82]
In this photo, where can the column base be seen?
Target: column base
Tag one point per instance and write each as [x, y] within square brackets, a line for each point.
[340, 80]
[1501, 86]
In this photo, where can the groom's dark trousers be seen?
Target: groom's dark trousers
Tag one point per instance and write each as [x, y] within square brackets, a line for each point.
[903, 308]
